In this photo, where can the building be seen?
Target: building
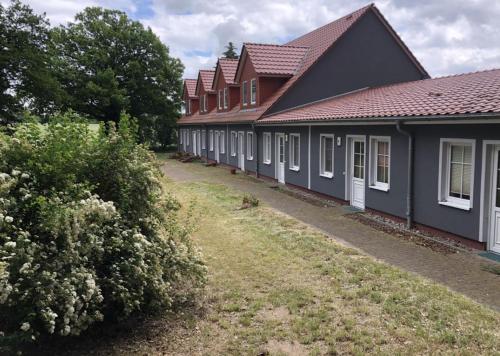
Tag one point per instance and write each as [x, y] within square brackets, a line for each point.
[347, 111]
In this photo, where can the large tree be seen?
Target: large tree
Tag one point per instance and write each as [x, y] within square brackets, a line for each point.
[109, 63]
[26, 80]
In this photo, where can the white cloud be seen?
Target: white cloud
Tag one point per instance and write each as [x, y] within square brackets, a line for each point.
[448, 36]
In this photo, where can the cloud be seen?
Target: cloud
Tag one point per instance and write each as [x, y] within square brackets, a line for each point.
[447, 36]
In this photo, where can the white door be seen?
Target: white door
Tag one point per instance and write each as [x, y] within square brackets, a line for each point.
[217, 141]
[184, 138]
[194, 143]
[495, 212]
[280, 157]
[358, 173]
[241, 151]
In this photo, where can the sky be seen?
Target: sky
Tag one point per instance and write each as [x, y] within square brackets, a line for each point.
[447, 36]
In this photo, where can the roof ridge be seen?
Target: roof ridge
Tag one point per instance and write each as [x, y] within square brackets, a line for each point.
[228, 59]
[275, 45]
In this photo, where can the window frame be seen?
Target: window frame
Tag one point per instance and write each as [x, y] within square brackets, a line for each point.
[219, 99]
[222, 142]
[253, 94]
[211, 140]
[372, 169]
[205, 102]
[266, 150]
[188, 107]
[249, 145]
[292, 138]
[203, 139]
[244, 93]
[322, 172]
[226, 98]
[234, 137]
[444, 197]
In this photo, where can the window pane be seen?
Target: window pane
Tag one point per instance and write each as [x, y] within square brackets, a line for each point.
[295, 151]
[468, 154]
[466, 180]
[328, 154]
[455, 179]
[456, 153]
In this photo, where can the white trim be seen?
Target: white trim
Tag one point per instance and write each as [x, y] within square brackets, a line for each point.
[290, 152]
[277, 135]
[222, 138]
[219, 99]
[226, 98]
[234, 135]
[244, 95]
[253, 96]
[266, 150]
[372, 163]
[327, 174]
[482, 214]
[250, 149]
[309, 159]
[443, 182]
[203, 139]
[211, 140]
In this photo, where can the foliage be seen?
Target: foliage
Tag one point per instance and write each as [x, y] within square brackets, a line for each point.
[250, 200]
[108, 63]
[86, 232]
[230, 51]
[26, 80]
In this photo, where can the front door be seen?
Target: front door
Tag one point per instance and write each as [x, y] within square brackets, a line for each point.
[217, 134]
[195, 150]
[358, 173]
[280, 157]
[495, 212]
[198, 142]
[241, 151]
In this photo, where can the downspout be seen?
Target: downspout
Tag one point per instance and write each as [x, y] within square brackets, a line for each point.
[256, 151]
[409, 190]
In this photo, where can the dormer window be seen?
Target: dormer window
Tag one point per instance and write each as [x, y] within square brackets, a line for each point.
[188, 107]
[220, 99]
[226, 98]
[202, 103]
[253, 91]
[244, 93]
[205, 103]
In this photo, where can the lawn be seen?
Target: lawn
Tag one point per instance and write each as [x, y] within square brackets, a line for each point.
[279, 286]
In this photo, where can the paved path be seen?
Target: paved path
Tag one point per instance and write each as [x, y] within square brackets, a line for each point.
[462, 272]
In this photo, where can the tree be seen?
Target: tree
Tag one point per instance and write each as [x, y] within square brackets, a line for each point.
[230, 51]
[109, 64]
[26, 80]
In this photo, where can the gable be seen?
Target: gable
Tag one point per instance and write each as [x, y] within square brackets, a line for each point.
[367, 55]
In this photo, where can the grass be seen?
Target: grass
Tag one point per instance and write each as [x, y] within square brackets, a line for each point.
[279, 286]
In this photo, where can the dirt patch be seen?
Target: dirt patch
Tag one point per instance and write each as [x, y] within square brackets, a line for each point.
[284, 347]
[279, 314]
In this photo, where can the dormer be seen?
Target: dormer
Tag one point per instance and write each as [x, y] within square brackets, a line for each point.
[263, 69]
[207, 97]
[189, 97]
[227, 91]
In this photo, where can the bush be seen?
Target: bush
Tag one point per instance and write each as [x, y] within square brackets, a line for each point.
[249, 201]
[86, 231]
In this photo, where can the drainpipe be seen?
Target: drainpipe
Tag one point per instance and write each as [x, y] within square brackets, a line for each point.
[409, 190]
[256, 151]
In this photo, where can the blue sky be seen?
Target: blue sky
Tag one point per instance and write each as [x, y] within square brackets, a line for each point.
[447, 36]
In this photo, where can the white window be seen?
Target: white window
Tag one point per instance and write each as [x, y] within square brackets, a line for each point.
[188, 106]
[253, 91]
[222, 145]
[205, 104]
[267, 147]
[380, 162]
[203, 139]
[294, 152]
[219, 98]
[326, 155]
[244, 93]
[233, 143]
[201, 103]
[226, 98]
[187, 137]
[211, 140]
[249, 145]
[456, 173]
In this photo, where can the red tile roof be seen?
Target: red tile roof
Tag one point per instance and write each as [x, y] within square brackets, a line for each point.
[274, 59]
[228, 67]
[471, 93]
[207, 77]
[190, 85]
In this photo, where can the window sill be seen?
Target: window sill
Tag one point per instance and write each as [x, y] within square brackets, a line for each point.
[295, 169]
[326, 175]
[233, 155]
[378, 187]
[249, 158]
[456, 205]
[267, 162]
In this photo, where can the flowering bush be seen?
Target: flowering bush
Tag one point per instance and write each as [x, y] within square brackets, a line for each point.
[86, 232]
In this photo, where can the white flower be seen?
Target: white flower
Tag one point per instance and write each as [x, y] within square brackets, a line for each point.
[25, 326]
[9, 219]
[10, 244]
[15, 172]
[16, 140]
[25, 175]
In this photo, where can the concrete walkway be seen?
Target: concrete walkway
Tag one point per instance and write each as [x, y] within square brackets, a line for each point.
[462, 272]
